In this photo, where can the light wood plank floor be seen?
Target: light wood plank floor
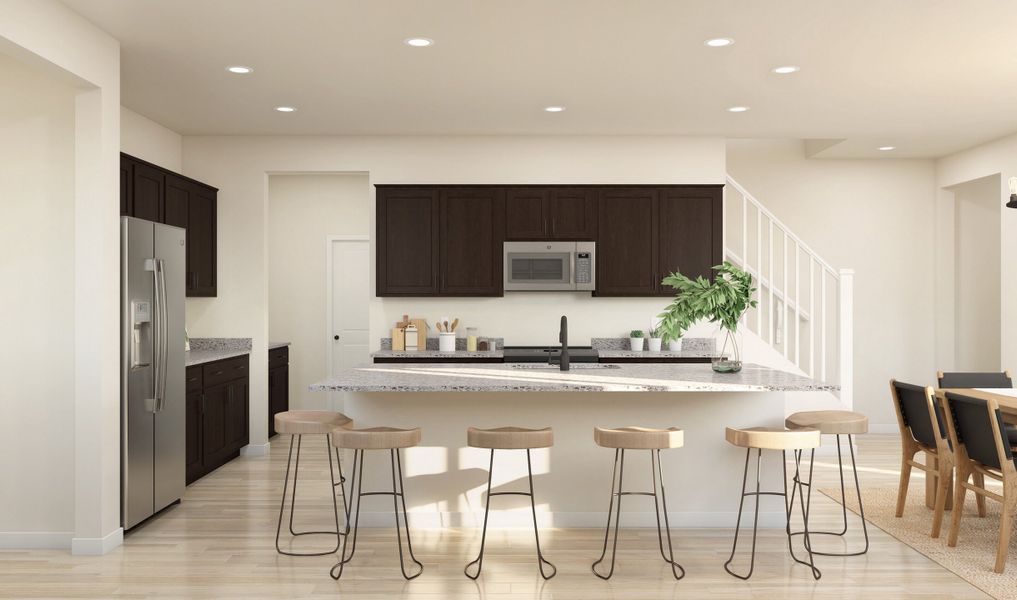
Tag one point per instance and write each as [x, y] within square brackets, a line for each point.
[219, 543]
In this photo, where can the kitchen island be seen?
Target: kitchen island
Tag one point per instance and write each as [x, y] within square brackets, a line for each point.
[445, 479]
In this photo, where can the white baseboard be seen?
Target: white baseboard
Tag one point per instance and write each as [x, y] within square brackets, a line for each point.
[255, 449]
[98, 546]
[36, 539]
[574, 520]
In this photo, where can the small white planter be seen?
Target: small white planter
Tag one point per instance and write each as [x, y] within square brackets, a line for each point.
[636, 344]
[447, 341]
[653, 344]
[674, 346]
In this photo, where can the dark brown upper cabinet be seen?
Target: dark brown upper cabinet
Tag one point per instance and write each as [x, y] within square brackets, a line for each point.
[447, 240]
[551, 213]
[471, 234]
[407, 241]
[689, 230]
[627, 242]
[526, 211]
[150, 192]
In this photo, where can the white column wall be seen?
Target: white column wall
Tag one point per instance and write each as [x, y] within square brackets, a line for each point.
[46, 34]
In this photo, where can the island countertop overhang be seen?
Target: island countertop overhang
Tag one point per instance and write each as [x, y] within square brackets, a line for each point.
[645, 377]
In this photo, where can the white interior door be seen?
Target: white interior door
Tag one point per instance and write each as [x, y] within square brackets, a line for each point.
[350, 294]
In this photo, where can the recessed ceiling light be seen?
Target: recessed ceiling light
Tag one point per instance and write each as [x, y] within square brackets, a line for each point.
[887, 148]
[738, 109]
[719, 42]
[786, 69]
[418, 42]
[286, 109]
[239, 69]
[554, 108]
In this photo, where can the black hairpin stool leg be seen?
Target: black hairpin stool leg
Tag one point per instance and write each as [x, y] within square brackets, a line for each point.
[659, 504]
[541, 561]
[843, 503]
[806, 504]
[293, 500]
[400, 496]
[755, 523]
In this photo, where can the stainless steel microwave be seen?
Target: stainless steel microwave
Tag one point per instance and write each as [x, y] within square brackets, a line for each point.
[550, 266]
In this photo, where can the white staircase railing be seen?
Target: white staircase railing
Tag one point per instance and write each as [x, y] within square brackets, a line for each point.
[805, 304]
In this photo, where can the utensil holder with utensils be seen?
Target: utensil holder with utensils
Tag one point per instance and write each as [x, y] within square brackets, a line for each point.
[447, 341]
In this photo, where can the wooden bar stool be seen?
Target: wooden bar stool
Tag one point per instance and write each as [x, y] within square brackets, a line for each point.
[377, 438]
[838, 423]
[770, 438]
[638, 438]
[510, 438]
[297, 424]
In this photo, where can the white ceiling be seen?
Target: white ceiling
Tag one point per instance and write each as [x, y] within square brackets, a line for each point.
[927, 76]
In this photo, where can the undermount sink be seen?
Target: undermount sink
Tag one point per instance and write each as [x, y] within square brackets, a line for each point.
[572, 367]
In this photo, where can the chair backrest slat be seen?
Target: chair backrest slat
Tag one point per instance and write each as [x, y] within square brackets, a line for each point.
[913, 406]
[972, 422]
[975, 380]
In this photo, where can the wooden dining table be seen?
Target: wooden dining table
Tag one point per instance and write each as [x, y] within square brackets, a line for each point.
[1006, 398]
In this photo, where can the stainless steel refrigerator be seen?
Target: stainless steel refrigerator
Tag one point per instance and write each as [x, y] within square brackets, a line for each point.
[152, 270]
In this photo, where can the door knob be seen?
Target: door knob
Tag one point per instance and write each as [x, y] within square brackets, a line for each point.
[335, 337]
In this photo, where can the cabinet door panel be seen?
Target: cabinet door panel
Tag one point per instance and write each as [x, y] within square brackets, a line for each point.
[148, 186]
[407, 241]
[573, 214]
[278, 395]
[627, 242]
[194, 461]
[237, 423]
[472, 235]
[178, 195]
[526, 213]
[214, 420]
[689, 229]
[201, 241]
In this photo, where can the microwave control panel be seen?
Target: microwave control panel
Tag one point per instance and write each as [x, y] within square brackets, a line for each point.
[584, 267]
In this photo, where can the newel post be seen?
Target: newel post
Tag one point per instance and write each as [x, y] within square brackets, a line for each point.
[846, 337]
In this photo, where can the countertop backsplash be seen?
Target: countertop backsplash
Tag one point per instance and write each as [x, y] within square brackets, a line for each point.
[432, 343]
[707, 345]
[228, 344]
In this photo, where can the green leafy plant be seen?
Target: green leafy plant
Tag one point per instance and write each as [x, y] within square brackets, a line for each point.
[723, 301]
[636, 333]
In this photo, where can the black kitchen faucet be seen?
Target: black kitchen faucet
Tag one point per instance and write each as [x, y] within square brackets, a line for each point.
[563, 337]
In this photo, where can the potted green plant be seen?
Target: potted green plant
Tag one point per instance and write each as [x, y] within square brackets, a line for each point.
[636, 340]
[654, 339]
[723, 301]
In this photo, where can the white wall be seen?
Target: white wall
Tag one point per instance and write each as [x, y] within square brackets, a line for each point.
[143, 138]
[54, 39]
[240, 168]
[875, 216]
[303, 210]
[976, 275]
[998, 157]
[37, 304]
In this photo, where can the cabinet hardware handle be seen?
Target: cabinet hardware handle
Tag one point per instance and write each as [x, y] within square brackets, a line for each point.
[239, 368]
[216, 372]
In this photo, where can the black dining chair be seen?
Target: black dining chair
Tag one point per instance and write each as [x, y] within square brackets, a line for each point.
[976, 431]
[969, 380]
[922, 429]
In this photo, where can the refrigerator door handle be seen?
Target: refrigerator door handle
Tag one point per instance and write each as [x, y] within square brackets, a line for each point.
[152, 403]
[163, 336]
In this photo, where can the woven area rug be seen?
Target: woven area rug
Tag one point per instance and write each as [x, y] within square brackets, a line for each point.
[973, 557]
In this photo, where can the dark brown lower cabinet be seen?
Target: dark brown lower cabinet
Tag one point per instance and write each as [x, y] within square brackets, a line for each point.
[278, 385]
[218, 414]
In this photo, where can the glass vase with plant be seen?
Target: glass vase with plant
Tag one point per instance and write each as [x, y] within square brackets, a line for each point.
[722, 301]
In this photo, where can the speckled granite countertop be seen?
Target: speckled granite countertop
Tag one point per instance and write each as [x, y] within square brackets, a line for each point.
[648, 354]
[642, 377]
[437, 354]
[206, 350]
